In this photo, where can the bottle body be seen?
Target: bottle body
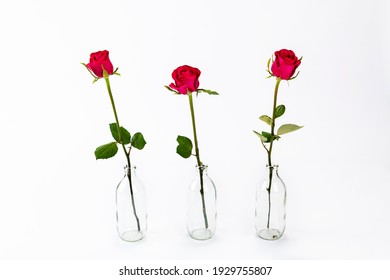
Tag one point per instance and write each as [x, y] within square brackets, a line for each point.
[270, 214]
[131, 211]
[201, 206]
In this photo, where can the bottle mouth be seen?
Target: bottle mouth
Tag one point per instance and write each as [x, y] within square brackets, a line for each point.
[127, 169]
[201, 167]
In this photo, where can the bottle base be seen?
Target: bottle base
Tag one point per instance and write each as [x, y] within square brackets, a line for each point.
[201, 234]
[132, 235]
[270, 234]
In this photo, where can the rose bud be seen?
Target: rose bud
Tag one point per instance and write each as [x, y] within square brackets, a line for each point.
[98, 61]
[285, 64]
[186, 79]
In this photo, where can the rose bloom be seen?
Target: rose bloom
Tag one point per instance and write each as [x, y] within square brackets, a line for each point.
[186, 79]
[98, 61]
[285, 64]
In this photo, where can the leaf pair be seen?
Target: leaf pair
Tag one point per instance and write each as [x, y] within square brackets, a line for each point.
[109, 150]
[266, 137]
[279, 111]
[184, 149]
[285, 128]
[137, 141]
[125, 135]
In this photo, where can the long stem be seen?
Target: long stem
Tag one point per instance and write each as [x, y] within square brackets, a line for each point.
[278, 80]
[116, 116]
[194, 129]
[127, 154]
[197, 155]
[270, 148]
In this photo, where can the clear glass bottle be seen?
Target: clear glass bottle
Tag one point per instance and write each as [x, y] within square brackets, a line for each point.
[131, 214]
[201, 206]
[270, 216]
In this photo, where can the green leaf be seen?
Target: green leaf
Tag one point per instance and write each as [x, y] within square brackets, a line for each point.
[269, 61]
[266, 119]
[262, 138]
[138, 141]
[210, 92]
[106, 151]
[184, 149]
[170, 89]
[124, 134]
[287, 128]
[279, 111]
[269, 136]
[266, 137]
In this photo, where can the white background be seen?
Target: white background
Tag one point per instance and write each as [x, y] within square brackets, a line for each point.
[57, 201]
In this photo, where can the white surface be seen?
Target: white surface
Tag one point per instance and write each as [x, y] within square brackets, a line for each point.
[57, 202]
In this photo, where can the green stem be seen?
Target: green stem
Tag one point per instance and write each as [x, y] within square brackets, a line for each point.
[278, 80]
[194, 129]
[127, 154]
[113, 107]
[197, 155]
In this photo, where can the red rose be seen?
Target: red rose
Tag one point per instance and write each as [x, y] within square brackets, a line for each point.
[285, 64]
[98, 61]
[186, 79]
